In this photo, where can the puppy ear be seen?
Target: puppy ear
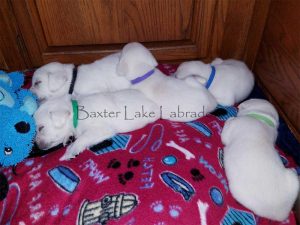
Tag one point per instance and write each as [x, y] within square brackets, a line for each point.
[135, 57]
[56, 81]
[122, 67]
[60, 118]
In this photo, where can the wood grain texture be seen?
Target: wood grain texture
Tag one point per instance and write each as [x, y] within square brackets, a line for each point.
[81, 31]
[202, 25]
[27, 32]
[278, 61]
[13, 52]
[237, 29]
[255, 32]
[88, 22]
[238, 21]
[3, 64]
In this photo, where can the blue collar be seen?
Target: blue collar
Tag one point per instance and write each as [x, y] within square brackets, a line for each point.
[211, 77]
[143, 77]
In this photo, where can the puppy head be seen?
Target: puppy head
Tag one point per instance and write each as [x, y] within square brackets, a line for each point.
[51, 80]
[54, 122]
[260, 106]
[135, 61]
[196, 69]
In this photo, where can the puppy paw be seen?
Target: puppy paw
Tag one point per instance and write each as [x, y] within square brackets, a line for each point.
[66, 157]
[72, 151]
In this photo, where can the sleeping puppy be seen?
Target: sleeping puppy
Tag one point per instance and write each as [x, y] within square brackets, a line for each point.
[91, 119]
[230, 81]
[54, 79]
[178, 101]
[256, 175]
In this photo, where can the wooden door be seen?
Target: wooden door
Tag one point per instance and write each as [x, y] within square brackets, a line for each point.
[81, 31]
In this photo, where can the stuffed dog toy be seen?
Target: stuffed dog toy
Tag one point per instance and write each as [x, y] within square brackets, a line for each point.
[17, 106]
[230, 81]
[178, 100]
[13, 96]
[91, 119]
[57, 79]
[256, 175]
[16, 136]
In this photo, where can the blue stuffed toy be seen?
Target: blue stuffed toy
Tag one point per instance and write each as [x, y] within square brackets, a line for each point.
[17, 124]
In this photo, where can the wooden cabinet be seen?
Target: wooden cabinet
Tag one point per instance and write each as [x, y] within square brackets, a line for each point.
[278, 62]
[81, 31]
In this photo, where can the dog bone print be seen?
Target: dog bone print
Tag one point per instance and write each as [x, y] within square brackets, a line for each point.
[187, 153]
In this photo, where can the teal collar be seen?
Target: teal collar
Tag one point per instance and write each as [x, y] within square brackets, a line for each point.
[75, 113]
[263, 118]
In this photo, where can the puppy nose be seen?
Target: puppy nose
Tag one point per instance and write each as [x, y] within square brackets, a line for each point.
[42, 100]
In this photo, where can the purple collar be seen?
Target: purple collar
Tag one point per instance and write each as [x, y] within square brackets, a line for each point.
[143, 77]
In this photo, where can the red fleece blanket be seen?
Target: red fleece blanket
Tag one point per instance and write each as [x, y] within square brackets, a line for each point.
[164, 174]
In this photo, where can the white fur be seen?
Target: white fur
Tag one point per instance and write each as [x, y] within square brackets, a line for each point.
[167, 92]
[256, 175]
[233, 81]
[54, 119]
[297, 207]
[54, 79]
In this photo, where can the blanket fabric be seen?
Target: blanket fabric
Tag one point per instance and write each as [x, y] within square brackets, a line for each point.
[167, 173]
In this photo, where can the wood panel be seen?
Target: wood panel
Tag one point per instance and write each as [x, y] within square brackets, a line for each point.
[278, 60]
[88, 22]
[13, 54]
[80, 31]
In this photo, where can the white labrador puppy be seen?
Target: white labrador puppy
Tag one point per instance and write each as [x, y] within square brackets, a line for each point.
[230, 81]
[54, 79]
[91, 119]
[256, 175]
[178, 101]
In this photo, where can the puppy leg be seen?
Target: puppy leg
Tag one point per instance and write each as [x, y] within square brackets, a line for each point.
[87, 139]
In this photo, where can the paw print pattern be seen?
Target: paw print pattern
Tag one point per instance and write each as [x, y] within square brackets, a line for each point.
[123, 178]
[127, 176]
[133, 163]
[174, 211]
[196, 175]
[157, 207]
[114, 164]
[67, 210]
[160, 223]
[54, 210]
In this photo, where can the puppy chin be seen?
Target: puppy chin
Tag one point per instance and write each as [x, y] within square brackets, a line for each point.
[44, 145]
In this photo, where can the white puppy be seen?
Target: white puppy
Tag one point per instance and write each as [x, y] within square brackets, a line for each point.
[230, 81]
[178, 101]
[256, 175]
[54, 79]
[91, 119]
